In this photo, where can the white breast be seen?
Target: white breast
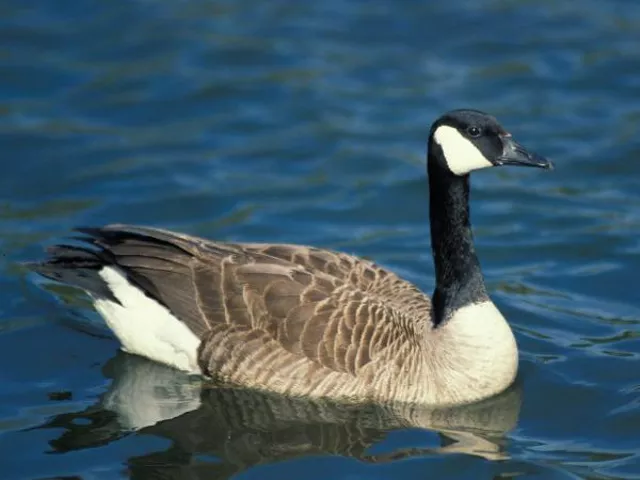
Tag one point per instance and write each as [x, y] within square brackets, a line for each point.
[476, 352]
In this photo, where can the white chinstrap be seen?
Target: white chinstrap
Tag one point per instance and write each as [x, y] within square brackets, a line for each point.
[461, 155]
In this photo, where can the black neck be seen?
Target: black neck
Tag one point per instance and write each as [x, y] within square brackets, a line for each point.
[459, 281]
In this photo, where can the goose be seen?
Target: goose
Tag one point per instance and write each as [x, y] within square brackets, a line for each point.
[304, 321]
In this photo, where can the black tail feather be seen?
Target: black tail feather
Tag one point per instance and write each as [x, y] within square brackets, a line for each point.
[74, 254]
[112, 245]
[77, 266]
[113, 235]
[80, 265]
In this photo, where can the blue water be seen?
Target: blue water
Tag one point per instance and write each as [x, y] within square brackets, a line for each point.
[306, 122]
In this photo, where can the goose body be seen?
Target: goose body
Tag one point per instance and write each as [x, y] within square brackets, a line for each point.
[305, 321]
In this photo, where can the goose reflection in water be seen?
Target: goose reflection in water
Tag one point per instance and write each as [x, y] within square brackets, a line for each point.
[243, 428]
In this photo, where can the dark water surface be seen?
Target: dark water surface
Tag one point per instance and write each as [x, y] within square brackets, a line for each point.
[306, 122]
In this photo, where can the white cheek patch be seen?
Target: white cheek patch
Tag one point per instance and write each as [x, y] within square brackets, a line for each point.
[461, 155]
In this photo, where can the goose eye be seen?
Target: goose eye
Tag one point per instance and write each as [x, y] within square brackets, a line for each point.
[474, 132]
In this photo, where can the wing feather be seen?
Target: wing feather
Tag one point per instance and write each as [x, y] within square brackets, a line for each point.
[330, 308]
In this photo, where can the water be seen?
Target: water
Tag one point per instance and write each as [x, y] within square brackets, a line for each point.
[306, 122]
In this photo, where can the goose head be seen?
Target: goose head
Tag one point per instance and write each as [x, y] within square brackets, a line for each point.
[468, 140]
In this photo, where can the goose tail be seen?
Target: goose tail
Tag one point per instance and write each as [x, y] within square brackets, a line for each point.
[77, 266]
[142, 325]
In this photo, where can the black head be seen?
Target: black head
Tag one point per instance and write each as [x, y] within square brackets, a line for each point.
[468, 140]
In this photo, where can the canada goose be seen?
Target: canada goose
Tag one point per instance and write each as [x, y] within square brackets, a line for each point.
[304, 321]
